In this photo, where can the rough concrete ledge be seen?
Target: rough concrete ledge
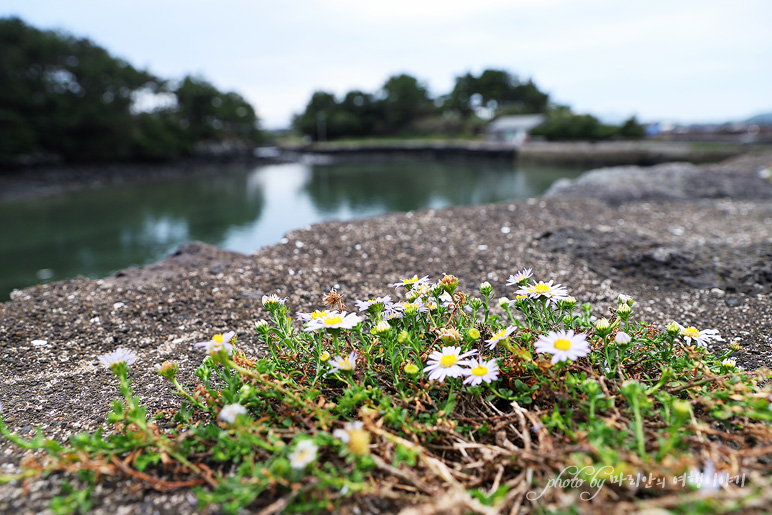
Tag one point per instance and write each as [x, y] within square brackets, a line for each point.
[696, 257]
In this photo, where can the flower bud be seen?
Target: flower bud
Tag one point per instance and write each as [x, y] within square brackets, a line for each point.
[449, 283]
[262, 327]
[168, 370]
[602, 326]
[504, 302]
[403, 337]
[567, 302]
[473, 333]
[486, 288]
[381, 327]
[729, 362]
[411, 369]
[624, 311]
[449, 335]
[475, 304]
[673, 329]
[622, 338]
[682, 408]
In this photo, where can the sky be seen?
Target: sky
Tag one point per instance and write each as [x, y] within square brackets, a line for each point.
[685, 61]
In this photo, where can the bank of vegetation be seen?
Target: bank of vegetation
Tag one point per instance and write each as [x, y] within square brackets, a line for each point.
[403, 107]
[67, 100]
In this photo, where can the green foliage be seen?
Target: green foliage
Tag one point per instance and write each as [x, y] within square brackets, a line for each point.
[403, 107]
[334, 412]
[563, 125]
[400, 103]
[498, 90]
[68, 98]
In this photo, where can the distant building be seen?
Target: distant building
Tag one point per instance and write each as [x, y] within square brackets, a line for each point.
[514, 128]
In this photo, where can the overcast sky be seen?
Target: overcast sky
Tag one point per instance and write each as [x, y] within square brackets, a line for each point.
[680, 60]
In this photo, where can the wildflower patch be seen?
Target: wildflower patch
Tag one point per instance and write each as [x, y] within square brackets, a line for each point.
[430, 395]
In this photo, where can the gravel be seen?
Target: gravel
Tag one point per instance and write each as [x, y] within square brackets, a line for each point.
[691, 244]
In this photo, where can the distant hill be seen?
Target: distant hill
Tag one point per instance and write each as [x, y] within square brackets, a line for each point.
[761, 119]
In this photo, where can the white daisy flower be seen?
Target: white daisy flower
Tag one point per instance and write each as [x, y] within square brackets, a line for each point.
[315, 315]
[419, 292]
[563, 345]
[445, 363]
[218, 343]
[344, 434]
[392, 313]
[410, 308]
[479, 371]
[500, 336]
[412, 282]
[520, 278]
[382, 302]
[303, 455]
[341, 364]
[229, 412]
[334, 320]
[273, 301]
[118, 356]
[447, 300]
[542, 289]
[355, 436]
[693, 336]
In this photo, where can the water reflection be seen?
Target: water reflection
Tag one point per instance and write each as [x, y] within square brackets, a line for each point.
[94, 233]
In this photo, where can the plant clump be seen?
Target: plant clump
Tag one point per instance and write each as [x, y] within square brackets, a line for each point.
[444, 400]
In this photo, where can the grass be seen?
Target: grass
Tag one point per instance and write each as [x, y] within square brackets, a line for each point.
[446, 399]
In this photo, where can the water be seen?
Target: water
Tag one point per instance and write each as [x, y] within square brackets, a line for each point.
[94, 233]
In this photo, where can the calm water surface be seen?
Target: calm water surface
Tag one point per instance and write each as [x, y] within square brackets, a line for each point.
[95, 233]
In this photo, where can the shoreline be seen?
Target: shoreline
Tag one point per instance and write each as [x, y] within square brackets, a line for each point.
[46, 181]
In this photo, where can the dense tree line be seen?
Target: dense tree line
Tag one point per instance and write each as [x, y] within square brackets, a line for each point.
[403, 107]
[67, 99]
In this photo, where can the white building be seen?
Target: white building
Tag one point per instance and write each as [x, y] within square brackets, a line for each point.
[513, 128]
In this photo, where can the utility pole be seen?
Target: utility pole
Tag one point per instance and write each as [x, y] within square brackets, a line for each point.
[321, 126]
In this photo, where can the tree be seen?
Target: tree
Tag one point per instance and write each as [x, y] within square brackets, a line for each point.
[64, 95]
[497, 90]
[631, 129]
[207, 114]
[404, 101]
[68, 97]
[314, 119]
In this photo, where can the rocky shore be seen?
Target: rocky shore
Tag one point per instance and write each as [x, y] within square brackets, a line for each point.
[689, 243]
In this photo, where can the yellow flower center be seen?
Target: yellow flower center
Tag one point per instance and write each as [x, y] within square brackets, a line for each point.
[318, 314]
[414, 279]
[562, 344]
[336, 319]
[217, 338]
[345, 364]
[411, 369]
[542, 288]
[480, 370]
[358, 442]
[448, 360]
[325, 356]
[500, 334]
[691, 332]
